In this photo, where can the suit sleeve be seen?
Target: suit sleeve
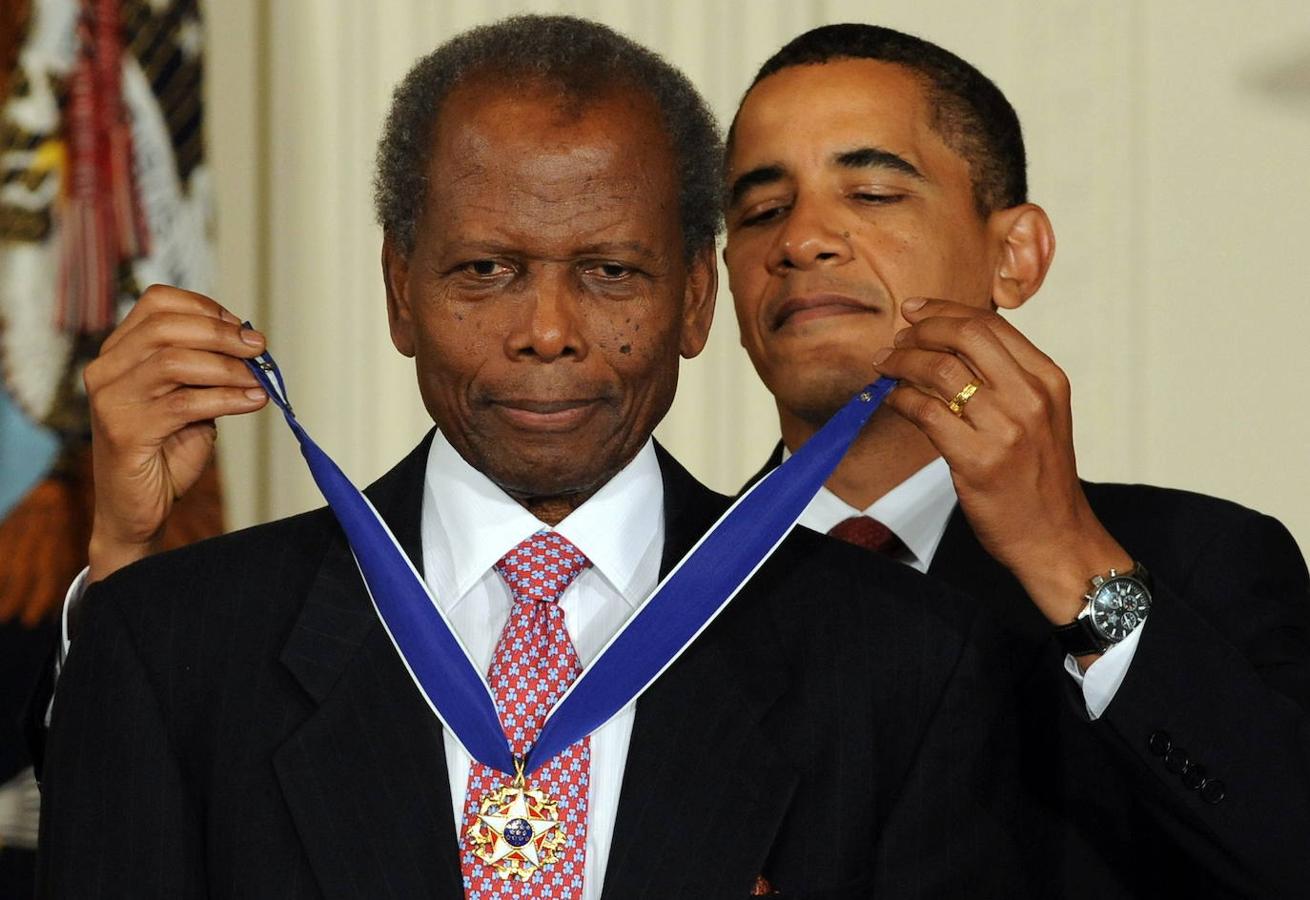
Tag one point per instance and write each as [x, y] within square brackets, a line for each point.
[117, 819]
[1214, 712]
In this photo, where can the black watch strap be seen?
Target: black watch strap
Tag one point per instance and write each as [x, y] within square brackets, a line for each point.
[1079, 638]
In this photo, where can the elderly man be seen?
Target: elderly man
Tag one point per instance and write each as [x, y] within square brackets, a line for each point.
[877, 219]
[234, 720]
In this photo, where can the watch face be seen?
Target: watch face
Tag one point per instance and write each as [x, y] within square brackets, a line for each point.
[1119, 606]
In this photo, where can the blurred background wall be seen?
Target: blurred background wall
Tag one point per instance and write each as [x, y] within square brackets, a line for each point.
[1168, 140]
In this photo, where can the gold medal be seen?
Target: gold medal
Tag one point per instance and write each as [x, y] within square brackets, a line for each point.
[516, 830]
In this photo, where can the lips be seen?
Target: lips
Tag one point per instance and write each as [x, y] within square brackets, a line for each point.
[798, 309]
[545, 415]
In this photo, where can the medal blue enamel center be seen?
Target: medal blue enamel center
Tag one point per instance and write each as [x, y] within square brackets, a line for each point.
[517, 833]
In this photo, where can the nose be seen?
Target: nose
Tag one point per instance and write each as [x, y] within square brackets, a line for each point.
[550, 326]
[808, 239]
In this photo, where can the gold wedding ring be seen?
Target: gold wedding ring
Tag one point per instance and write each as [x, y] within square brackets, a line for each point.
[966, 393]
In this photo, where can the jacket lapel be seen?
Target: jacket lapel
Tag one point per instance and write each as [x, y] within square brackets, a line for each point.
[699, 763]
[365, 775]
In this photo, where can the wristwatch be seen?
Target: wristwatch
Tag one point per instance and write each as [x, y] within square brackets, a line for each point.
[1116, 604]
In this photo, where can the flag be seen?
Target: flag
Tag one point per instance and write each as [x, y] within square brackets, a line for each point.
[104, 190]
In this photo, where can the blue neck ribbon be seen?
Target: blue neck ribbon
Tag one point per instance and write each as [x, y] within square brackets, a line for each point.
[681, 607]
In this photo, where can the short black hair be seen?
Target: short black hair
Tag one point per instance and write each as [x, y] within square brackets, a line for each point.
[969, 112]
[584, 60]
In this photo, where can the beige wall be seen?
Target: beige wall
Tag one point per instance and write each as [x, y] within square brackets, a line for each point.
[1167, 140]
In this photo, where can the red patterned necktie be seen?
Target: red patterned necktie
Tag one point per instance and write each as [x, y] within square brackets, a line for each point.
[869, 533]
[533, 665]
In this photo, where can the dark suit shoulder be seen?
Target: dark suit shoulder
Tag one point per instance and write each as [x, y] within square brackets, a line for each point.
[268, 562]
[1162, 504]
[209, 621]
[1180, 530]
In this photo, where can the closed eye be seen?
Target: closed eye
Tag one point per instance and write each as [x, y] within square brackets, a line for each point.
[877, 199]
[763, 216]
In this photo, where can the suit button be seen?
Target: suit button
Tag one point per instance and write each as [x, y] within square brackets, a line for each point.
[1213, 791]
[1176, 761]
[1194, 778]
[1160, 743]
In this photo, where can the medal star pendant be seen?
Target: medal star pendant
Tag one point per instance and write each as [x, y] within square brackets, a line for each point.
[517, 830]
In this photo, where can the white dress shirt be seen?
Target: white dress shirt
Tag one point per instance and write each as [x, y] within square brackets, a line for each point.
[468, 524]
[917, 511]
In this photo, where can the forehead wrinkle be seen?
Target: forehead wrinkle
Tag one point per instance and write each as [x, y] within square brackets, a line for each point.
[580, 214]
[589, 237]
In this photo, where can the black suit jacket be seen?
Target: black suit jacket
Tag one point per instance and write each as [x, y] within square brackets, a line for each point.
[233, 721]
[1221, 677]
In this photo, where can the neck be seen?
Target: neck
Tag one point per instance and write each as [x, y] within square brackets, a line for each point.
[553, 510]
[888, 450]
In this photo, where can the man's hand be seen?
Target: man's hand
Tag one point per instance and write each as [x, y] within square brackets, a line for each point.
[165, 374]
[1010, 450]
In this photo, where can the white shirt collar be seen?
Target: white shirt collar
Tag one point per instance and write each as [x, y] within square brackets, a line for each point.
[916, 510]
[469, 523]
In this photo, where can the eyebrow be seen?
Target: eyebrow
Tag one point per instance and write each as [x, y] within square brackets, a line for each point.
[861, 158]
[494, 247]
[605, 248]
[876, 158]
[754, 178]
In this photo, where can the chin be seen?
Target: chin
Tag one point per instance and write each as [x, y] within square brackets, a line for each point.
[818, 395]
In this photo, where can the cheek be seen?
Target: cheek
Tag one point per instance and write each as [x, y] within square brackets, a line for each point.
[909, 266]
[745, 290]
[637, 348]
[748, 285]
[897, 256]
[454, 342]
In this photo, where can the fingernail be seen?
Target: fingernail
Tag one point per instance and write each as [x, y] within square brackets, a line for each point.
[913, 304]
[881, 356]
[255, 393]
[900, 337]
[252, 337]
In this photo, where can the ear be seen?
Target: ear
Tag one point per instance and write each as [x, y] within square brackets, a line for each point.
[395, 275]
[698, 302]
[1027, 246]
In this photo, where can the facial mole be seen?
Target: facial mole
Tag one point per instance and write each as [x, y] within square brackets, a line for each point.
[626, 348]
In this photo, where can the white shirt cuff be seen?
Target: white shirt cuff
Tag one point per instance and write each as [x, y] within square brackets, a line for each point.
[1102, 679]
[71, 599]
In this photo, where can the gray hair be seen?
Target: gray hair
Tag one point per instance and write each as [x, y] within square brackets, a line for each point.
[585, 60]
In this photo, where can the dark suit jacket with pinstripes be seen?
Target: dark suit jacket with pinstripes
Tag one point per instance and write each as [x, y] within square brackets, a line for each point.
[233, 722]
[1221, 677]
